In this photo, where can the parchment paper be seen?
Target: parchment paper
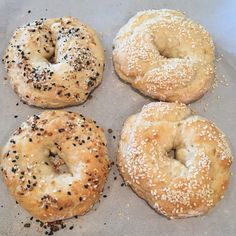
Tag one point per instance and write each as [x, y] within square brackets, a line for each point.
[122, 212]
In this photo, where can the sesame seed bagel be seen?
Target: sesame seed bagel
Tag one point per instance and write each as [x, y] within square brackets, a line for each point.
[56, 165]
[54, 62]
[165, 56]
[176, 161]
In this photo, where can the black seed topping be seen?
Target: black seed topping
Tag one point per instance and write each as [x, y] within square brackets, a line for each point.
[27, 225]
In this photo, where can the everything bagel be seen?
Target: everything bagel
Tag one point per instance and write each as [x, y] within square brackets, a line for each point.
[165, 56]
[190, 181]
[56, 164]
[55, 62]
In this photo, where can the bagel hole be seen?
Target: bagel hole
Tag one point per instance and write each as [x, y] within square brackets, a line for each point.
[177, 154]
[51, 59]
[172, 153]
[167, 54]
[57, 163]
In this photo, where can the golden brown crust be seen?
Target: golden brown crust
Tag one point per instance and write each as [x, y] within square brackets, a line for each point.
[165, 56]
[194, 180]
[55, 62]
[56, 165]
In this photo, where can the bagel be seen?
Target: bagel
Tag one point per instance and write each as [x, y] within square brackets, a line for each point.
[56, 165]
[165, 56]
[55, 62]
[176, 161]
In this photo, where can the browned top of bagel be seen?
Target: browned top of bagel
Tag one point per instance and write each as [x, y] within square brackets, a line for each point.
[54, 62]
[165, 56]
[185, 184]
[56, 164]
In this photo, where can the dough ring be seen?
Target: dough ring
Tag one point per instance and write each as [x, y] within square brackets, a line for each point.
[178, 162]
[55, 62]
[165, 56]
[56, 165]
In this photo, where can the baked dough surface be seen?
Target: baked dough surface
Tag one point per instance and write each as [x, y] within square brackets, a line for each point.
[56, 164]
[54, 62]
[165, 56]
[176, 161]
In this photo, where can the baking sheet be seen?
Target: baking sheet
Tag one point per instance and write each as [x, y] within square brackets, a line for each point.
[122, 212]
